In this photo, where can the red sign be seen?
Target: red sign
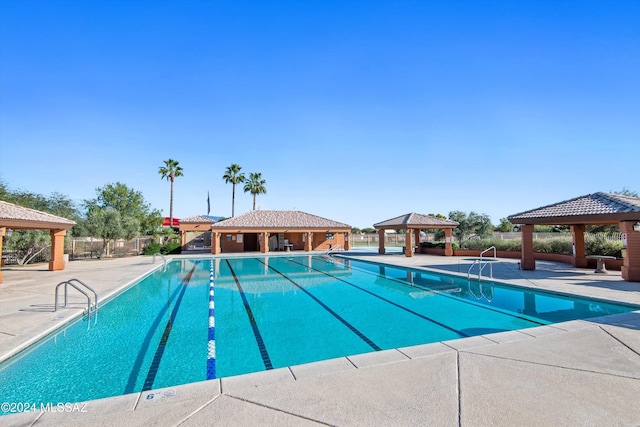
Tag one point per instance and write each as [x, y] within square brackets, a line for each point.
[176, 222]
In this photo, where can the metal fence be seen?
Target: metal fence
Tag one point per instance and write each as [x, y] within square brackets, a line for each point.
[87, 247]
[398, 239]
[78, 248]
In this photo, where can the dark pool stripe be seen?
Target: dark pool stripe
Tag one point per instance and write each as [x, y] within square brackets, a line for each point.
[422, 316]
[443, 294]
[256, 331]
[157, 357]
[326, 307]
[133, 375]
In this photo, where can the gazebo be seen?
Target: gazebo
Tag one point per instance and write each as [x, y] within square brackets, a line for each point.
[592, 209]
[17, 217]
[195, 229]
[278, 230]
[412, 223]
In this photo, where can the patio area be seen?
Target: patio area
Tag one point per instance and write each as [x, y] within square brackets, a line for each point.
[572, 373]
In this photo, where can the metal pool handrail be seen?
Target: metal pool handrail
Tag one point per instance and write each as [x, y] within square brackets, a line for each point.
[80, 283]
[482, 263]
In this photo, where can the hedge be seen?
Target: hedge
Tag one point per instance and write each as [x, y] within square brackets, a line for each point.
[594, 245]
[166, 249]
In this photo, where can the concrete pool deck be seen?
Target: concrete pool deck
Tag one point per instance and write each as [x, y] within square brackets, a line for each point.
[572, 373]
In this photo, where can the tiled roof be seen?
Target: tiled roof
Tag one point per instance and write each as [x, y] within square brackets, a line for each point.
[279, 219]
[416, 220]
[11, 212]
[591, 204]
[199, 219]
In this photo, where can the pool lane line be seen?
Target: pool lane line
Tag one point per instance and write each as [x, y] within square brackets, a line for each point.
[446, 295]
[352, 328]
[211, 335]
[415, 313]
[256, 331]
[135, 370]
[157, 357]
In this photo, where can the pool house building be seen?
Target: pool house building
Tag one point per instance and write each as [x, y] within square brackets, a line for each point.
[274, 230]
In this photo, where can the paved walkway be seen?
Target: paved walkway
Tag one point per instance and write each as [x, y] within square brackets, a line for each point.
[573, 373]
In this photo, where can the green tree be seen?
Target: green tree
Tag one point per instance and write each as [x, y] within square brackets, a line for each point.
[170, 171]
[505, 225]
[107, 224]
[369, 230]
[232, 175]
[129, 203]
[255, 185]
[438, 216]
[626, 192]
[470, 225]
[29, 243]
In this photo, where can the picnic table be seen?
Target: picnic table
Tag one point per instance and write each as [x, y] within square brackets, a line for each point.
[600, 267]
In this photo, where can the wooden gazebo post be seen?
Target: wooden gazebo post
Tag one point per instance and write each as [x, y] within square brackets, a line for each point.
[408, 246]
[57, 250]
[577, 233]
[448, 248]
[215, 243]
[527, 261]
[631, 241]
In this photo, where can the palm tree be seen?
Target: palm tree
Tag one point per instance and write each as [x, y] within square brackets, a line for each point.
[170, 171]
[232, 175]
[255, 186]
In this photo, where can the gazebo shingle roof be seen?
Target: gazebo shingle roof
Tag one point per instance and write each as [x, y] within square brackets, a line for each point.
[416, 220]
[198, 219]
[10, 213]
[262, 219]
[596, 204]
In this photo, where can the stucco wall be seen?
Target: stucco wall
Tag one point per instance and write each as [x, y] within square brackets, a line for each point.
[230, 243]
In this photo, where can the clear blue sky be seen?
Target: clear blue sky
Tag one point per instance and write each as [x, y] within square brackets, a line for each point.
[357, 111]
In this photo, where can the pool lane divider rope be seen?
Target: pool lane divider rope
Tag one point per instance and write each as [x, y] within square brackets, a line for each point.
[256, 331]
[352, 328]
[211, 343]
[157, 357]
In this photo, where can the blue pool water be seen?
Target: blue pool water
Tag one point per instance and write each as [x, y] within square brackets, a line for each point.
[269, 312]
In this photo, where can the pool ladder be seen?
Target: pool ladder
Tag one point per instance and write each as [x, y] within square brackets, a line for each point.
[482, 264]
[327, 254]
[83, 288]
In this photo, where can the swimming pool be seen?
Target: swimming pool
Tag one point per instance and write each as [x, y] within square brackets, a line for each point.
[263, 313]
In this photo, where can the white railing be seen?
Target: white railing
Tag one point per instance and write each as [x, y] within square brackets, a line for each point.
[482, 262]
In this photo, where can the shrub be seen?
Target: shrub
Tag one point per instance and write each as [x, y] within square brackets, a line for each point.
[438, 245]
[598, 245]
[171, 248]
[594, 245]
[151, 248]
[558, 245]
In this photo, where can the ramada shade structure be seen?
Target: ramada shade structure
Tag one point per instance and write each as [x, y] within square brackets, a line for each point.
[21, 218]
[266, 230]
[412, 223]
[194, 227]
[592, 209]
